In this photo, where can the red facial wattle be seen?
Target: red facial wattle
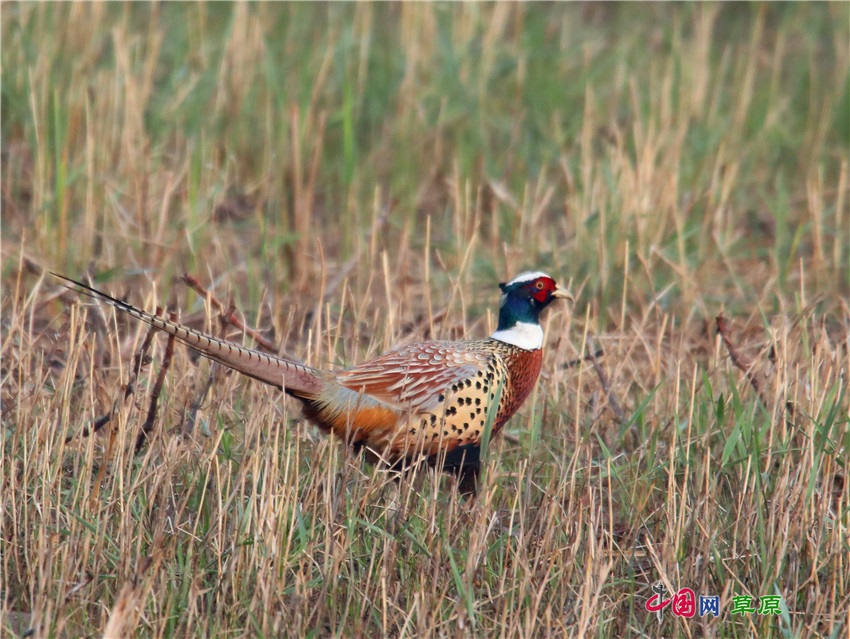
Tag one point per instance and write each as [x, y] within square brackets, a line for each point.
[541, 288]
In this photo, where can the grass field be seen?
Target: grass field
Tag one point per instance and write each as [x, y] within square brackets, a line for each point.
[355, 176]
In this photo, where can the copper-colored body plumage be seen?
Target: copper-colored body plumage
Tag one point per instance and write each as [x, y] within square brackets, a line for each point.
[425, 399]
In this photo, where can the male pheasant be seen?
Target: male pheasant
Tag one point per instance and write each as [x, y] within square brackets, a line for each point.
[430, 399]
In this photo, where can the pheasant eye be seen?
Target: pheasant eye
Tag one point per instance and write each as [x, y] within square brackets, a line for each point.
[539, 285]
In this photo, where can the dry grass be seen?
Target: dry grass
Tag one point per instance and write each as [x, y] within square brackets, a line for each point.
[355, 176]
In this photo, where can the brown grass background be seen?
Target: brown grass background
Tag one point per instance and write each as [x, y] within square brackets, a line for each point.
[355, 176]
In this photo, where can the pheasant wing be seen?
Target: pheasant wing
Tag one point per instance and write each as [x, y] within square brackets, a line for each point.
[413, 377]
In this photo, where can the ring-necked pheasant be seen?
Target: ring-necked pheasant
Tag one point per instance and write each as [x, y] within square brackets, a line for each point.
[428, 399]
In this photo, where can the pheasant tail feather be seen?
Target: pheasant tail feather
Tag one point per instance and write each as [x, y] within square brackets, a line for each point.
[296, 379]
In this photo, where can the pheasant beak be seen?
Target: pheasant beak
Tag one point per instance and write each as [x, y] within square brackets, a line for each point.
[563, 294]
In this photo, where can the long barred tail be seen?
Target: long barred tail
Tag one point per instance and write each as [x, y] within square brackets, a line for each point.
[295, 378]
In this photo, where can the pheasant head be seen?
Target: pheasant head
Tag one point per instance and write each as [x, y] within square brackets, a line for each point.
[522, 301]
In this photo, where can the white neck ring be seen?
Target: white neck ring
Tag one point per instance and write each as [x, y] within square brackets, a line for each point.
[523, 334]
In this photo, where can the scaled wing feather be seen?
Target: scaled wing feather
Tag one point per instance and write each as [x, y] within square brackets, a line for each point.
[413, 377]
